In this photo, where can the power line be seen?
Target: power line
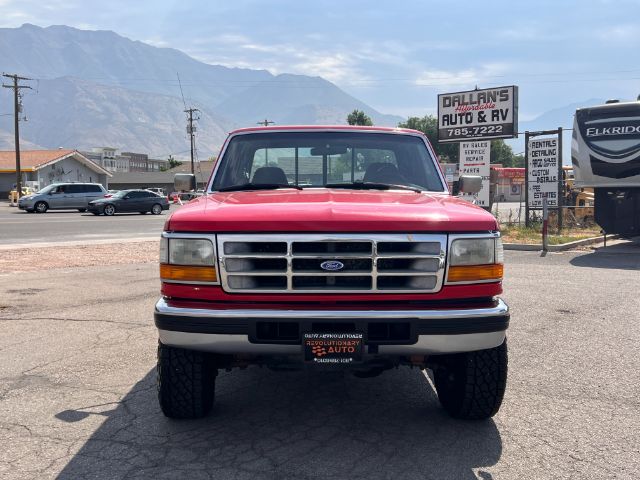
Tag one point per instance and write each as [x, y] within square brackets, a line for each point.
[190, 119]
[191, 131]
[17, 107]
[181, 92]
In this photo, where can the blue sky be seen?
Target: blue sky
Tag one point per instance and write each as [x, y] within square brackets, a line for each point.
[395, 56]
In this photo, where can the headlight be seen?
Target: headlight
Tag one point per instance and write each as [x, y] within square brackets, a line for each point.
[187, 251]
[472, 251]
[187, 260]
[474, 260]
[164, 250]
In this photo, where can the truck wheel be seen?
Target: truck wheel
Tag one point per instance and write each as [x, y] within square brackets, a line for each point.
[186, 382]
[471, 385]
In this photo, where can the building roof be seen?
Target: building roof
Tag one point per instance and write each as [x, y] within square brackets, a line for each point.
[202, 169]
[510, 172]
[142, 178]
[32, 160]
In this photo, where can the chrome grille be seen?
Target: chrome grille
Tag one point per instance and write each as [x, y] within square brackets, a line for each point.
[291, 263]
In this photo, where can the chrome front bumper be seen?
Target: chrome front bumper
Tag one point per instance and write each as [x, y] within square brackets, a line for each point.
[436, 331]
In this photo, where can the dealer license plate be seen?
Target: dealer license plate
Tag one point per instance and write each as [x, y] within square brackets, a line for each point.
[332, 347]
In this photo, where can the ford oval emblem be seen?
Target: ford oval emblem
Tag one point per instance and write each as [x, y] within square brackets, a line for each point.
[332, 265]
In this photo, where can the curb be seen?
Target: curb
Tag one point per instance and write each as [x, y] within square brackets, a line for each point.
[78, 243]
[537, 247]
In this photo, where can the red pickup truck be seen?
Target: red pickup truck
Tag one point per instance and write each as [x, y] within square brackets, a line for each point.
[331, 248]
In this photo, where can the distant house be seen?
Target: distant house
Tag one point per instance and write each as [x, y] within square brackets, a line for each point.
[127, 180]
[164, 180]
[44, 167]
[509, 184]
[109, 159]
[140, 162]
[201, 169]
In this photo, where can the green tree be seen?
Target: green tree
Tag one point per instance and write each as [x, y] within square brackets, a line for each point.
[358, 117]
[172, 164]
[447, 152]
[450, 152]
[518, 160]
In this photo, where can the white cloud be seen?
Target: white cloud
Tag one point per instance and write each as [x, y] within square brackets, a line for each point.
[277, 58]
[470, 77]
[232, 39]
[157, 42]
[620, 33]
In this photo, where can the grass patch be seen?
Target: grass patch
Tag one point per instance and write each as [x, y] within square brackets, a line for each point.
[533, 234]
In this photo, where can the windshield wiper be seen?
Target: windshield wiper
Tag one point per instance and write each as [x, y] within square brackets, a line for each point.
[258, 186]
[372, 186]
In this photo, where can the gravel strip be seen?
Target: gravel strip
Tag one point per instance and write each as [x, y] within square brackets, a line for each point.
[37, 259]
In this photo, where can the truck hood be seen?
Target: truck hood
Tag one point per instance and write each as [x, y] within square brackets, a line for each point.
[329, 210]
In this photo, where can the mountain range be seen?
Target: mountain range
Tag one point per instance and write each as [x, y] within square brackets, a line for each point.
[561, 116]
[97, 88]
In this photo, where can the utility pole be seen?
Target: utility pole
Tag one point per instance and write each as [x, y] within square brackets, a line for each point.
[191, 131]
[265, 122]
[16, 115]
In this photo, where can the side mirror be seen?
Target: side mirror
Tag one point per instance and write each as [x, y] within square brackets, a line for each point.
[184, 182]
[470, 184]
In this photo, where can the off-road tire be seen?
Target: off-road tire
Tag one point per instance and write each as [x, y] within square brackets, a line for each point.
[186, 382]
[471, 385]
[41, 207]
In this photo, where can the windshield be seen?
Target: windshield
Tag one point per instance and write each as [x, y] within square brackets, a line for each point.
[47, 189]
[317, 159]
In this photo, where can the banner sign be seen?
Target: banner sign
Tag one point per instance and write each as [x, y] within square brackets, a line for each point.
[478, 114]
[474, 160]
[543, 171]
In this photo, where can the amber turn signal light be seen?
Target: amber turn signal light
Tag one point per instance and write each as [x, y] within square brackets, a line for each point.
[188, 273]
[474, 273]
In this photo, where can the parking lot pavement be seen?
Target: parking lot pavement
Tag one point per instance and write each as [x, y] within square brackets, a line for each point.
[77, 398]
[17, 226]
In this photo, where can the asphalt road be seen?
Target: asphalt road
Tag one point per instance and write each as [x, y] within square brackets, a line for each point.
[77, 391]
[17, 226]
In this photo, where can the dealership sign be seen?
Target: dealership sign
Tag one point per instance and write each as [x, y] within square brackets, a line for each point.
[474, 160]
[542, 165]
[478, 114]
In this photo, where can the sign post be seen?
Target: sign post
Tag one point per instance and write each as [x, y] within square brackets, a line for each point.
[560, 182]
[474, 160]
[526, 178]
[545, 224]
